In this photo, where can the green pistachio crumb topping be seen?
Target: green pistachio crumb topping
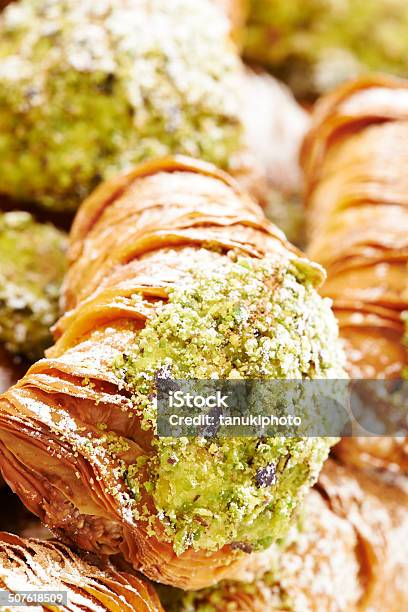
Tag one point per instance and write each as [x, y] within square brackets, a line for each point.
[317, 44]
[227, 595]
[32, 265]
[88, 89]
[240, 318]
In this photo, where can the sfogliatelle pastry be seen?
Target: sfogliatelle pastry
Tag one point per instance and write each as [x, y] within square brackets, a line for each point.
[175, 272]
[88, 89]
[354, 159]
[316, 45]
[28, 565]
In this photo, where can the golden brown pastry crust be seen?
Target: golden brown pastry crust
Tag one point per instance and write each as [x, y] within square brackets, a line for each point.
[28, 564]
[129, 236]
[355, 159]
[375, 504]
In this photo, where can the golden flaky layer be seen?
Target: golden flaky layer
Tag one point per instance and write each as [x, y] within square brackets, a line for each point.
[376, 507]
[134, 235]
[349, 554]
[34, 565]
[175, 202]
[355, 160]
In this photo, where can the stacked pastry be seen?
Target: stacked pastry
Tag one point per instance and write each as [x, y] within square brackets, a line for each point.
[176, 273]
[28, 565]
[161, 258]
[355, 524]
[354, 159]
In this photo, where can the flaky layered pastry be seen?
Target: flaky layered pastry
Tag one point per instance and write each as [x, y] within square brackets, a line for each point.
[355, 159]
[175, 273]
[43, 566]
[346, 555]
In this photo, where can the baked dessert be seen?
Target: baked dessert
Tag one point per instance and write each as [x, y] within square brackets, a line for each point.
[174, 272]
[354, 161]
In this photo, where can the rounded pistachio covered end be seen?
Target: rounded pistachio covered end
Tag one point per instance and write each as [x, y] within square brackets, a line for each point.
[240, 318]
[87, 91]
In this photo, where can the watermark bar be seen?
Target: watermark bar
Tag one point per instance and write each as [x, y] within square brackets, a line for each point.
[292, 408]
[33, 598]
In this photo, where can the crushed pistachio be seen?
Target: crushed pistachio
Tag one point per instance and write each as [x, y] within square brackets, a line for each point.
[226, 595]
[87, 90]
[131, 478]
[246, 318]
[32, 265]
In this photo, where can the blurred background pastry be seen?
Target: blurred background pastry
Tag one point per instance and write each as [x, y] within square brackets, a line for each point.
[354, 159]
[82, 98]
[268, 168]
[33, 263]
[316, 45]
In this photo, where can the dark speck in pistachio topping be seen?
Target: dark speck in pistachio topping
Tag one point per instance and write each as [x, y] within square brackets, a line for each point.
[232, 318]
[266, 476]
[241, 546]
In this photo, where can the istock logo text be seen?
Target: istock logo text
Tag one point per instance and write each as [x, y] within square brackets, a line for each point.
[180, 399]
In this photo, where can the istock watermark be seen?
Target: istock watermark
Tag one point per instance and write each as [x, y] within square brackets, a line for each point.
[223, 408]
[179, 399]
[222, 420]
